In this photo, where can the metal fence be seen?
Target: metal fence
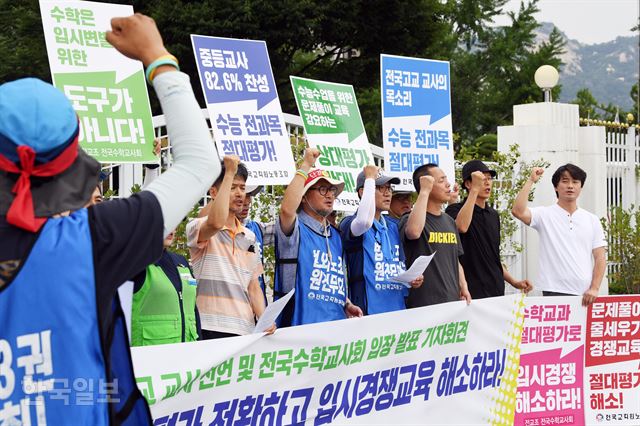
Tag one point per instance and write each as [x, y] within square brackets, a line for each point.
[623, 162]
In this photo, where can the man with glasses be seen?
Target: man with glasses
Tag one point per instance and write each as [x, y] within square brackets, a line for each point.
[479, 227]
[372, 246]
[309, 253]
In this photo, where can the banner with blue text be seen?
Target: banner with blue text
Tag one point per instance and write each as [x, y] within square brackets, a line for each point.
[416, 116]
[245, 113]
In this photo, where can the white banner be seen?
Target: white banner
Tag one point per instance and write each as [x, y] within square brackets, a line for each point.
[443, 364]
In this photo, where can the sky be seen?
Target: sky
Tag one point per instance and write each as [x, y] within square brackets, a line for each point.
[587, 21]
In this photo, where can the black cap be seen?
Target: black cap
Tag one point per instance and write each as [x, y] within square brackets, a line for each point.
[382, 179]
[476, 166]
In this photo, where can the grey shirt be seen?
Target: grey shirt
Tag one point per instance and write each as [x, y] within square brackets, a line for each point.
[441, 276]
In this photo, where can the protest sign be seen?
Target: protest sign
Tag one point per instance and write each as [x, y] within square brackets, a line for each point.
[243, 105]
[419, 365]
[332, 122]
[108, 90]
[416, 116]
[550, 377]
[612, 376]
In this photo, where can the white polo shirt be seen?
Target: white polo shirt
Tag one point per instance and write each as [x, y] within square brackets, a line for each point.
[566, 245]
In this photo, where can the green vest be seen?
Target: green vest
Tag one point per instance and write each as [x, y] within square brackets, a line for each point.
[160, 314]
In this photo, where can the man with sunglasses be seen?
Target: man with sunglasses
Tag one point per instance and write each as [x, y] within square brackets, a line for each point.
[372, 246]
[309, 254]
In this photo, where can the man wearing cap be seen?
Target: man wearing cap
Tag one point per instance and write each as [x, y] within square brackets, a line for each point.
[263, 233]
[401, 204]
[61, 263]
[373, 249]
[427, 230]
[479, 227]
[224, 259]
[309, 254]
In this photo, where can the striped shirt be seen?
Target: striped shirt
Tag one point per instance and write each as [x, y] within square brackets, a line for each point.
[224, 267]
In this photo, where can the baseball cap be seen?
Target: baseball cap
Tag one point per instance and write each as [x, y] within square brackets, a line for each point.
[317, 175]
[476, 166]
[382, 179]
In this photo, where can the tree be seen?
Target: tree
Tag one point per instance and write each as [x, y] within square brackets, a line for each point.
[624, 249]
[635, 96]
[587, 104]
[496, 72]
[22, 46]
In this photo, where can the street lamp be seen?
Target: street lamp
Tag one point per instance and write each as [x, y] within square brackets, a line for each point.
[546, 78]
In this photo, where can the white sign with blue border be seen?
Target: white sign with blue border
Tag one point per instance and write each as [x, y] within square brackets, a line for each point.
[416, 116]
[245, 112]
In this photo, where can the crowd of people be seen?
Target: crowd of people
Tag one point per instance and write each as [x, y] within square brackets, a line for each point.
[62, 262]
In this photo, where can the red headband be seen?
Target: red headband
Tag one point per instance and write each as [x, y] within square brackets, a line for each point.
[21, 213]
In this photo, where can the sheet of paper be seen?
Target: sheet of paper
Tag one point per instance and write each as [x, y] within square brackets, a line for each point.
[271, 313]
[417, 268]
[125, 291]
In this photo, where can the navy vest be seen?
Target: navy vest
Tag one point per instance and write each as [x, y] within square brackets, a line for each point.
[373, 259]
[53, 366]
[255, 227]
[321, 290]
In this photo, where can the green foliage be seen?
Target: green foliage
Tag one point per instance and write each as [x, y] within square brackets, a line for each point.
[179, 244]
[591, 108]
[22, 46]
[512, 175]
[624, 250]
[588, 106]
[496, 72]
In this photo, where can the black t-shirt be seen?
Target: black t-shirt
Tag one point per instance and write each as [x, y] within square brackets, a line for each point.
[126, 236]
[481, 259]
[441, 278]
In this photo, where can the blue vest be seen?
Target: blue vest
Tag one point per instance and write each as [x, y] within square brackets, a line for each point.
[372, 260]
[390, 218]
[321, 291]
[52, 364]
[254, 227]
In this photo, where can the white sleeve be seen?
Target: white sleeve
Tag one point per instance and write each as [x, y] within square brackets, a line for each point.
[599, 239]
[366, 210]
[537, 214]
[149, 176]
[196, 163]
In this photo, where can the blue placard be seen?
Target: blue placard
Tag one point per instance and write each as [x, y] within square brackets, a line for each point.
[416, 115]
[234, 70]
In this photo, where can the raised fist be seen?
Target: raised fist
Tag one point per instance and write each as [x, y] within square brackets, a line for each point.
[137, 37]
[426, 183]
[310, 156]
[536, 174]
[231, 164]
[370, 171]
[477, 180]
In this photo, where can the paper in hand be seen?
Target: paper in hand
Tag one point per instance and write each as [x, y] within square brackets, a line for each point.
[417, 268]
[271, 313]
